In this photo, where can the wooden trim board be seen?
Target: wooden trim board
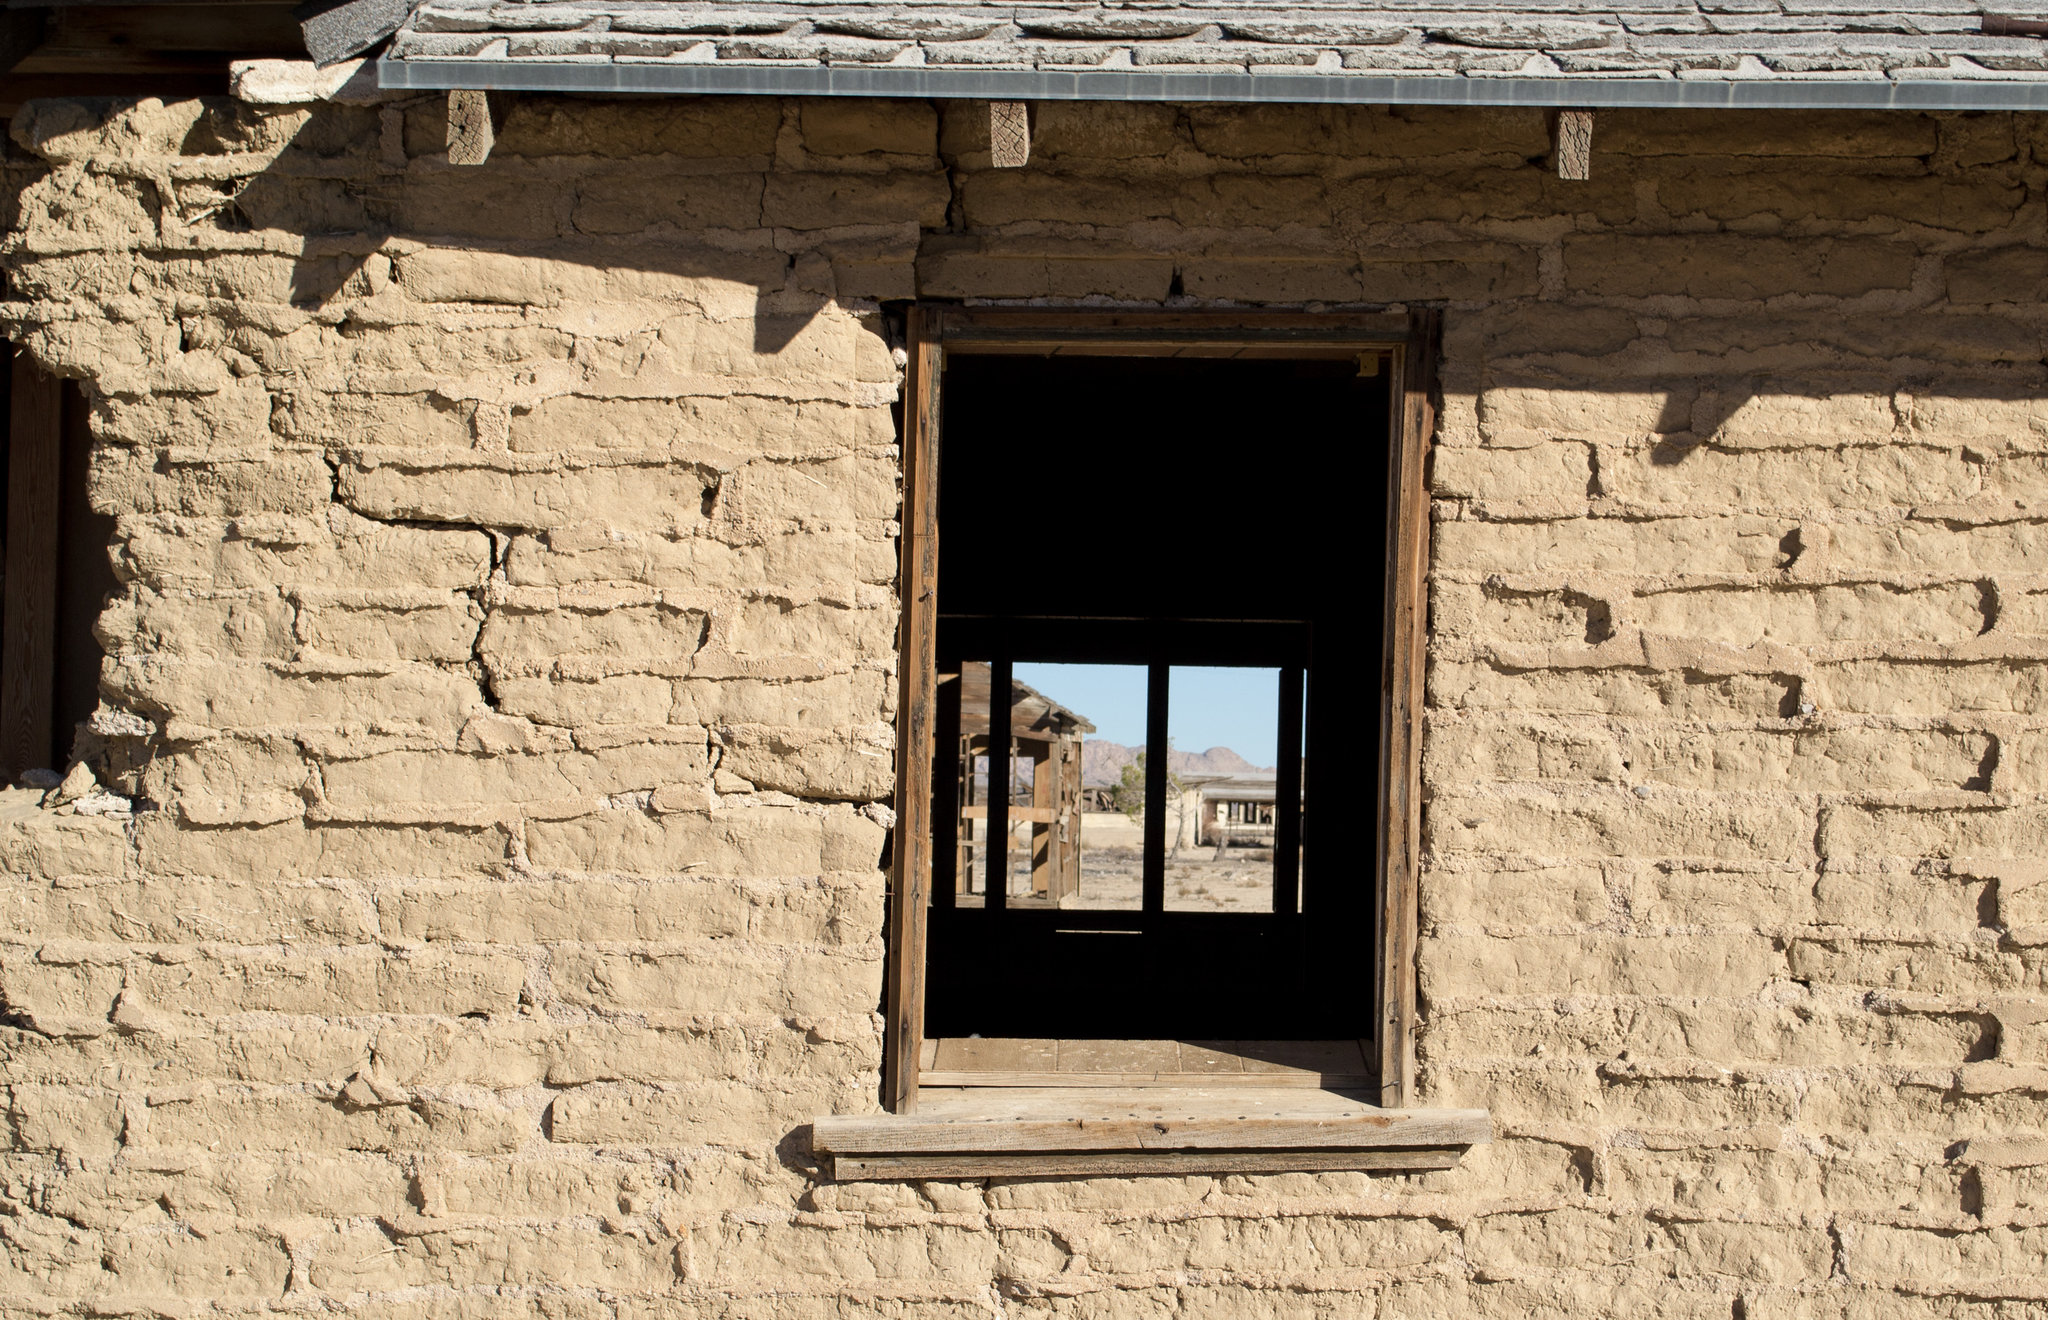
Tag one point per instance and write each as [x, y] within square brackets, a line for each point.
[1205, 1128]
[917, 701]
[1061, 1119]
[1124, 1164]
[1401, 707]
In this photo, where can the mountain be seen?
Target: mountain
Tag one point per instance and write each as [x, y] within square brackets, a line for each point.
[1103, 762]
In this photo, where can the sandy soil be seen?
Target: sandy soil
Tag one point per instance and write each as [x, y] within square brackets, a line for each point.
[1112, 880]
[1241, 882]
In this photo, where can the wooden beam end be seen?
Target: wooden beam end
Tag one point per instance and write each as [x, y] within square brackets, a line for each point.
[470, 132]
[1572, 144]
[1009, 134]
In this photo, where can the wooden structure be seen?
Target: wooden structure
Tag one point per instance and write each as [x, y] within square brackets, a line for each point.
[1046, 734]
[1237, 809]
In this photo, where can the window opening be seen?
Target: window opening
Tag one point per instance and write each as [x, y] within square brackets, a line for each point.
[1165, 546]
[1234, 842]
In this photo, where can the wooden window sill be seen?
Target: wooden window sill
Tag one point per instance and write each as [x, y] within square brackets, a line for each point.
[1007, 1132]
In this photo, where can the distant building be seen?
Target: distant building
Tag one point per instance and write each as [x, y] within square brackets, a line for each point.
[1237, 809]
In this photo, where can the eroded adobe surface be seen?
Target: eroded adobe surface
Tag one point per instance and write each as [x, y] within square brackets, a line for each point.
[504, 683]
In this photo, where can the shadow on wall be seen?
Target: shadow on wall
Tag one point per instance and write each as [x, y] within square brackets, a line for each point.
[639, 222]
[322, 208]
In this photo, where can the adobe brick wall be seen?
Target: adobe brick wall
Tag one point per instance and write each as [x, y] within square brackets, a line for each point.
[504, 687]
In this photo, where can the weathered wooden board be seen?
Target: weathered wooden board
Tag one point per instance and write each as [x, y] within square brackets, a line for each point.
[1574, 144]
[1401, 707]
[1029, 815]
[1081, 1119]
[897, 1168]
[916, 720]
[1009, 134]
[471, 134]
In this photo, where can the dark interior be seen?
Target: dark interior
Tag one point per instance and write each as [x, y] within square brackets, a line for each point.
[85, 580]
[84, 572]
[1076, 491]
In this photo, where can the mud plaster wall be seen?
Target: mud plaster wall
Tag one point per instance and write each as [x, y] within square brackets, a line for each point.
[503, 689]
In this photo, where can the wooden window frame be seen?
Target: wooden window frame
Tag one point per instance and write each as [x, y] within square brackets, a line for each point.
[1408, 342]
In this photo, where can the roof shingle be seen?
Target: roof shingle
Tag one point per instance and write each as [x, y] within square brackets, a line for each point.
[1929, 52]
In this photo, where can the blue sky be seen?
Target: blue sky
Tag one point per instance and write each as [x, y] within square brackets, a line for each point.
[1234, 708]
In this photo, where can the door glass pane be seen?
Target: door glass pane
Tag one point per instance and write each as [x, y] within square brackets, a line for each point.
[1104, 793]
[1223, 731]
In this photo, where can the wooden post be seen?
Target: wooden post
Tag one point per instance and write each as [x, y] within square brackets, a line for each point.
[1287, 797]
[470, 132]
[918, 575]
[1070, 817]
[1002, 750]
[1044, 831]
[1153, 881]
[28, 606]
[1401, 704]
[946, 783]
[1572, 143]
[1009, 134]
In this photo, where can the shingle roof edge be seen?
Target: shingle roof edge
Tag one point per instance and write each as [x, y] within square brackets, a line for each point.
[671, 78]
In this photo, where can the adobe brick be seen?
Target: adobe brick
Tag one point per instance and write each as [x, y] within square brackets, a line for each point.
[1794, 481]
[1558, 471]
[233, 1264]
[670, 126]
[1981, 203]
[1881, 687]
[660, 496]
[861, 126]
[583, 910]
[1722, 964]
[1995, 275]
[1950, 613]
[262, 1119]
[1611, 823]
[1733, 266]
[1537, 896]
[1281, 1244]
[1857, 135]
[706, 977]
[1682, 694]
[679, 200]
[1372, 136]
[509, 203]
[829, 201]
